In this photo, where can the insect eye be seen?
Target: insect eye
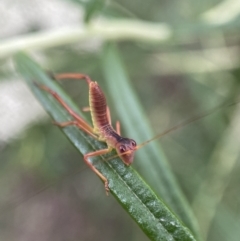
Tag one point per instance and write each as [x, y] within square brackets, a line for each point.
[133, 143]
[122, 149]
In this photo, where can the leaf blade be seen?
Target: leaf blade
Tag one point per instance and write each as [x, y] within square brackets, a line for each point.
[136, 124]
[152, 216]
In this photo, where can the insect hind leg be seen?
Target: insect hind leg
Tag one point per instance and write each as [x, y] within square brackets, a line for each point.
[76, 76]
[79, 121]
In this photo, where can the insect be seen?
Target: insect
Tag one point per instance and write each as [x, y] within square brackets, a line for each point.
[102, 129]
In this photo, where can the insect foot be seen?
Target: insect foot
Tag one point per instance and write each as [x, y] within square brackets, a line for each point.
[106, 187]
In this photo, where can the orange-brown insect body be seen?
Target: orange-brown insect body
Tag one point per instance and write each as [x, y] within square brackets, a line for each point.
[102, 128]
[98, 107]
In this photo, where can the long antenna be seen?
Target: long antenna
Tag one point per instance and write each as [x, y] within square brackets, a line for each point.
[178, 126]
[188, 121]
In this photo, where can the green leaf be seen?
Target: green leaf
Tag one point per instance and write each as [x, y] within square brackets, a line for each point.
[151, 158]
[135, 196]
[93, 7]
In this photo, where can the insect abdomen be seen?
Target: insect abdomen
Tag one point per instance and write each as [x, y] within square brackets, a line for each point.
[98, 106]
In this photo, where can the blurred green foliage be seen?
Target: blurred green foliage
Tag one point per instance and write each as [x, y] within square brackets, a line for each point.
[194, 70]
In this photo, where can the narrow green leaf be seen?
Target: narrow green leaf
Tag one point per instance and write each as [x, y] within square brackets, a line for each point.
[150, 158]
[92, 7]
[152, 216]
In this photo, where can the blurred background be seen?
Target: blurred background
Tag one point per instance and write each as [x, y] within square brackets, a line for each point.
[189, 66]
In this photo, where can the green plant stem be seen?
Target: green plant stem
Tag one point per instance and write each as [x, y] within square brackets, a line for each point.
[102, 30]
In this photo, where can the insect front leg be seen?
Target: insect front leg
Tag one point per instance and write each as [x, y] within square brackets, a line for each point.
[98, 153]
